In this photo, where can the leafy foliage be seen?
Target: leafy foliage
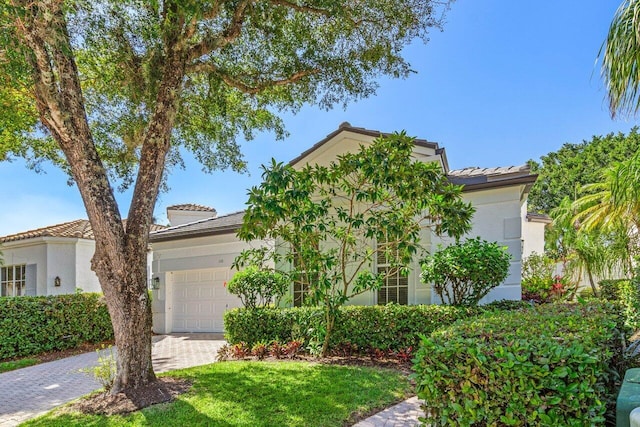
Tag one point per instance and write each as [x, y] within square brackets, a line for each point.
[241, 61]
[463, 273]
[619, 53]
[564, 172]
[587, 251]
[541, 284]
[326, 218]
[32, 325]
[553, 365]
[627, 294]
[258, 288]
[105, 371]
[361, 329]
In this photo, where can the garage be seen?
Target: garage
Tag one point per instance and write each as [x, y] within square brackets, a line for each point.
[200, 299]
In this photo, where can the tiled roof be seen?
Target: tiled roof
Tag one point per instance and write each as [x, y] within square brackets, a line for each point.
[78, 229]
[191, 207]
[475, 178]
[222, 224]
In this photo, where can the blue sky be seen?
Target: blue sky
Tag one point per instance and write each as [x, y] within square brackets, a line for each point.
[503, 83]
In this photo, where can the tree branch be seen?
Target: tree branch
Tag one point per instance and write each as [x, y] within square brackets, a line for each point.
[218, 41]
[302, 8]
[251, 89]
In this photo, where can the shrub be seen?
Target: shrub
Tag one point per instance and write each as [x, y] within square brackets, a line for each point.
[223, 353]
[293, 348]
[537, 277]
[260, 350]
[360, 329]
[506, 305]
[105, 371]
[463, 273]
[627, 294]
[277, 350]
[552, 365]
[240, 350]
[32, 325]
[257, 287]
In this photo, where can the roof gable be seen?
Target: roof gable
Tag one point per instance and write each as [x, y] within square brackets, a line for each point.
[351, 137]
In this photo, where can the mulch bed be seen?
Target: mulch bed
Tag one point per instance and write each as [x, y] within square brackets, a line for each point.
[161, 391]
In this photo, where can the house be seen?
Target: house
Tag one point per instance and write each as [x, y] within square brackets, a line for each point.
[50, 260]
[192, 261]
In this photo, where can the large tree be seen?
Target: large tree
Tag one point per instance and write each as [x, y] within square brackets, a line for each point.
[564, 172]
[112, 88]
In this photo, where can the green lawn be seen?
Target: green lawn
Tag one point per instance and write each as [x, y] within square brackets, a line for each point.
[16, 364]
[262, 394]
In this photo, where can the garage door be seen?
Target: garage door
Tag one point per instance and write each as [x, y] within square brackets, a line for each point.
[200, 300]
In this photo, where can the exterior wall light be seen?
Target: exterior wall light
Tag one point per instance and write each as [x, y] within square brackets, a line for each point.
[57, 281]
[155, 283]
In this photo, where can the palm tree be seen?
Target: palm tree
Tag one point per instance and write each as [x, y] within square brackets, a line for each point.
[614, 201]
[585, 252]
[611, 208]
[620, 55]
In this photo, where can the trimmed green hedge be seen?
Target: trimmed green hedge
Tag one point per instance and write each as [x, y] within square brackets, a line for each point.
[389, 327]
[554, 365]
[32, 325]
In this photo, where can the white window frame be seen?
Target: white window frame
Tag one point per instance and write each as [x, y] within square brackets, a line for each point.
[392, 284]
[13, 280]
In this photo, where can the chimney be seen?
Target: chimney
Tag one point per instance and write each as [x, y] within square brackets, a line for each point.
[189, 212]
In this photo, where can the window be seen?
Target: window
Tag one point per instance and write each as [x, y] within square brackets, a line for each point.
[12, 280]
[396, 286]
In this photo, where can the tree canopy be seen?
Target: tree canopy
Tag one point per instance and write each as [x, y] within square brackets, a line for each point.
[239, 63]
[564, 172]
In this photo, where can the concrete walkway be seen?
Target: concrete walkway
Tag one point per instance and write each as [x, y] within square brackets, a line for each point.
[404, 414]
[28, 392]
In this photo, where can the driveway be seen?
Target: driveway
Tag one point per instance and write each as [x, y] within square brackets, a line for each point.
[29, 392]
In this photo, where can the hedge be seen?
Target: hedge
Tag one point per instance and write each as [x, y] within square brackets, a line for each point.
[554, 365]
[389, 327]
[32, 325]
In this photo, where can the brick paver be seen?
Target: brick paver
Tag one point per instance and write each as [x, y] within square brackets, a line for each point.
[28, 392]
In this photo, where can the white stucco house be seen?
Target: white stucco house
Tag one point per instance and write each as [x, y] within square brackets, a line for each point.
[192, 261]
[51, 260]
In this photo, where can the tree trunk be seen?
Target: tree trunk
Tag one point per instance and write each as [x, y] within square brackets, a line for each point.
[120, 258]
[591, 282]
[330, 318]
[130, 309]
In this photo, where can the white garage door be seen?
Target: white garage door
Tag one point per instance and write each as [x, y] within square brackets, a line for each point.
[200, 300]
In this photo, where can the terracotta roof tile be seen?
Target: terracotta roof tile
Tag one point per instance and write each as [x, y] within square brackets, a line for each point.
[78, 229]
[191, 207]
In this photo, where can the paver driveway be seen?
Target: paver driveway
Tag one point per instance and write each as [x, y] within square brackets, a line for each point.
[28, 392]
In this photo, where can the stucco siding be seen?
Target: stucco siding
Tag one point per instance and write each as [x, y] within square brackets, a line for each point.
[86, 279]
[61, 262]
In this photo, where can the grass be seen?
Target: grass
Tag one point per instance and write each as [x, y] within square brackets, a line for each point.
[261, 394]
[16, 364]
